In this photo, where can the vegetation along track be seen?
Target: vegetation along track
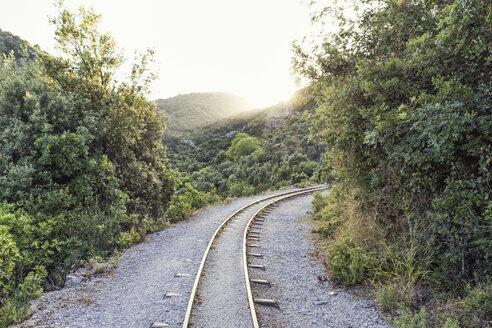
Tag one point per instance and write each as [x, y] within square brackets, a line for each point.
[221, 294]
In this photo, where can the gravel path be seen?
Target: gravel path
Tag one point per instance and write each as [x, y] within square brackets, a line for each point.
[133, 295]
[304, 300]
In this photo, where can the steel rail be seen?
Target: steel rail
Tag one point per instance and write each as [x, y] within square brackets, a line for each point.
[191, 300]
[251, 302]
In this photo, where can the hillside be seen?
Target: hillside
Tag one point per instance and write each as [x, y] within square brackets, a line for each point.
[9, 42]
[189, 111]
[190, 150]
[246, 154]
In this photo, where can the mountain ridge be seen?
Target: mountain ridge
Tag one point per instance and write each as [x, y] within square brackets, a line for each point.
[189, 111]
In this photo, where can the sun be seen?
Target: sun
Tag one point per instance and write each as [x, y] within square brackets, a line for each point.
[269, 95]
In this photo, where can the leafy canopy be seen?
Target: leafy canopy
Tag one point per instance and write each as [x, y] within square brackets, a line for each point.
[405, 89]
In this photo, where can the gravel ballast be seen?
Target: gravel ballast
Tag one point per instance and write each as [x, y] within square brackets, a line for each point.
[304, 300]
[133, 295]
[222, 298]
[222, 290]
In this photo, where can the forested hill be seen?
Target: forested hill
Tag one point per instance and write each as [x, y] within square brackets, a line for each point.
[189, 111]
[9, 42]
[246, 154]
[192, 150]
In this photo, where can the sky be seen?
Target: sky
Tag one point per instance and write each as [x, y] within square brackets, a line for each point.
[239, 46]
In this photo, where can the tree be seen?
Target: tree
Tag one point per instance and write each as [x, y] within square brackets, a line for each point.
[83, 169]
[132, 132]
[244, 145]
[406, 112]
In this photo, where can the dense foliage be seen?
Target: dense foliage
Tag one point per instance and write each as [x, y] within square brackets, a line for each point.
[21, 49]
[219, 161]
[83, 169]
[406, 111]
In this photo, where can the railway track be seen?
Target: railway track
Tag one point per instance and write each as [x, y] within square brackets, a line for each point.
[221, 293]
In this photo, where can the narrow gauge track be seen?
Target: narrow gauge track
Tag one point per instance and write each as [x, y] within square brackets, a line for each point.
[219, 301]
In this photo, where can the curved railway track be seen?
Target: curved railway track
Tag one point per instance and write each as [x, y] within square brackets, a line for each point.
[248, 236]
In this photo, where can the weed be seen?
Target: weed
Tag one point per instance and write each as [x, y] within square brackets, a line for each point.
[115, 259]
[473, 310]
[13, 311]
[408, 319]
[388, 297]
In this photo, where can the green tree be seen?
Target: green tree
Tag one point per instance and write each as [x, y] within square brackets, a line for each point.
[133, 129]
[405, 90]
[81, 158]
[244, 145]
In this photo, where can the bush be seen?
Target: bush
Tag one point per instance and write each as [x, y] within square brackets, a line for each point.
[471, 311]
[408, 319]
[83, 169]
[319, 201]
[407, 114]
[128, 238]
[329, 210]
[187, 199]
[348, 262]
[26, 249]
[241, 189]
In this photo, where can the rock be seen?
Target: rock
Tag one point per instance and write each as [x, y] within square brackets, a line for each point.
[188, 142]
[72, 281]
[80, 272]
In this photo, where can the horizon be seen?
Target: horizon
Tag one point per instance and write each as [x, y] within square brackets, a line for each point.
[217, 46]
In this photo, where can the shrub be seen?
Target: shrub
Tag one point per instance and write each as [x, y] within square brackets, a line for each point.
[407, 114]
[348, 262]
[187, 200]
[408, 319]
[472, 310]
[25, 250]
[128, 238]
[320, 201]
[388, 297]
[83, 169]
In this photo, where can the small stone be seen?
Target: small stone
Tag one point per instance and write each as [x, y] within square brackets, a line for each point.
[80, 272]
[321, 302]
[72, 281]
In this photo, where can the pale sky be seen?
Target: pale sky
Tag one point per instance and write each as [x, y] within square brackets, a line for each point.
[240, 46]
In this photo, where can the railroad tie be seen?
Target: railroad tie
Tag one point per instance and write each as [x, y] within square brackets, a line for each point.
[257, 266]
[267, 302]
[254, 255]
[159, 325]
[260, 281]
